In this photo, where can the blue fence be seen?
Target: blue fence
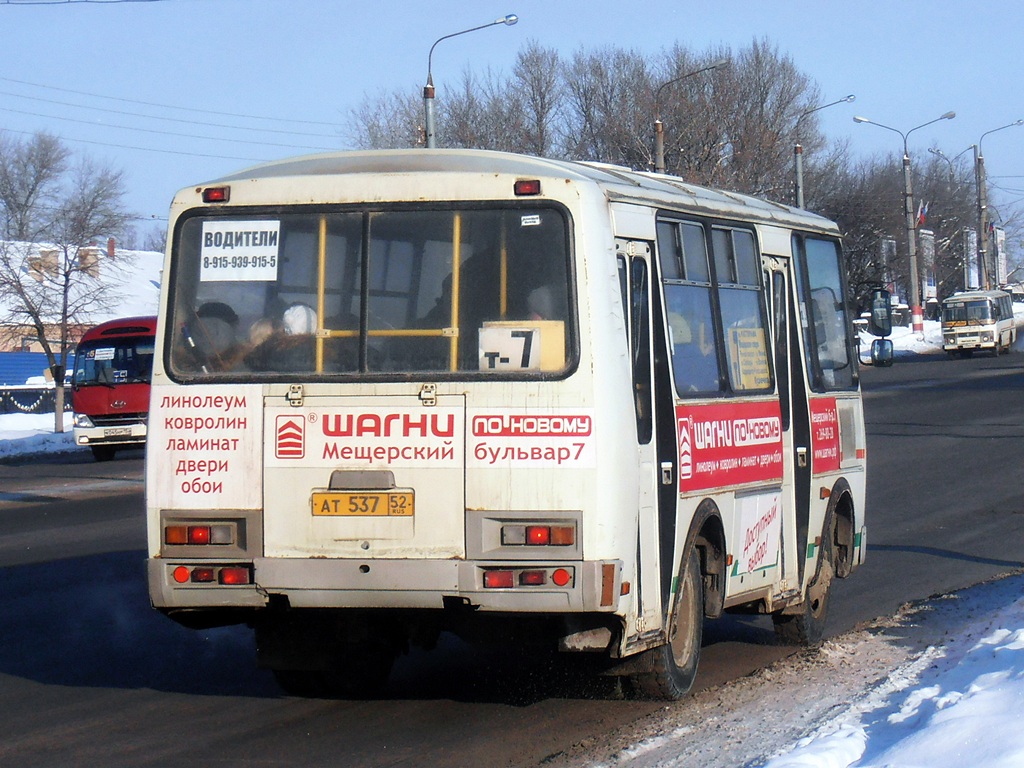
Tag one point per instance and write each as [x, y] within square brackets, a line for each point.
[31, 399]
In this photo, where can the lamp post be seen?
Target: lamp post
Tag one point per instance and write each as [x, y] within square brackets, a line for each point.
[908, 196]
[984, 275]
[798, 150]
[950, 162]
[428, 89]
[951, 186]
[659, 128]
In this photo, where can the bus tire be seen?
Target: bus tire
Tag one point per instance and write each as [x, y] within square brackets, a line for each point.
[669, 669]
[807, 627]
[103, 452]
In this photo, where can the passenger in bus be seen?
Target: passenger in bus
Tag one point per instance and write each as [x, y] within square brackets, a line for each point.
[693, 353]
[290, 344]
[540, 303]
[211, 337]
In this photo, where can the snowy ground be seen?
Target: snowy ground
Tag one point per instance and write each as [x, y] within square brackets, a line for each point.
[29, 433]
[939, 684]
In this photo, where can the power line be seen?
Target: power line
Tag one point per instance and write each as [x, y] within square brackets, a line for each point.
[166, 106]
[165, 133]
[74, 2]
[148, 149]
[169, 119]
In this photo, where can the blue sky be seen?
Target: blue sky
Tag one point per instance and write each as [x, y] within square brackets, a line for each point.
[314, 60]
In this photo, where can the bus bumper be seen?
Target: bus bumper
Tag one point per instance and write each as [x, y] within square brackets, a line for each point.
[545, 587]
[120, 435]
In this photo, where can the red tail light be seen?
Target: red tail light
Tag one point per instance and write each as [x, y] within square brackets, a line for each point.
[499, 579]
[538, 535]
[216, 194]
[235, 575]
[533, 578]
[561, 577]
[199, 534]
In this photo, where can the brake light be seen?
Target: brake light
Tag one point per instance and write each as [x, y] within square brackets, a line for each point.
[538, 535]
[216, 194]
[199, 534]
[234, 575]
[228, 575]
[533, 578]
[527, 187]
[508, 578]
[498, 580]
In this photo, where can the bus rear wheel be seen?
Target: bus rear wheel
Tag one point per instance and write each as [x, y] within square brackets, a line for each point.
[807, 628]
[669, 670]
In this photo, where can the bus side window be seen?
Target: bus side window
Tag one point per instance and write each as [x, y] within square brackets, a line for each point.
[687, 288]
[779, 313]
[640, 349]
[743, 320]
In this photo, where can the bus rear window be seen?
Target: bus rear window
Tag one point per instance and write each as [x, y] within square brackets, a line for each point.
[465, 292]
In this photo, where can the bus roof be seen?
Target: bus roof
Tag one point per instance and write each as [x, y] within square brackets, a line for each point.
[122, 326]
[975, 295]
[617, 182]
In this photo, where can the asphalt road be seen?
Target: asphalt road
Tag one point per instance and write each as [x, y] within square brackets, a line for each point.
[90, 675]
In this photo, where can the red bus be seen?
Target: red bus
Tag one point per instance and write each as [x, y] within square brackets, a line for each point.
[110, 387]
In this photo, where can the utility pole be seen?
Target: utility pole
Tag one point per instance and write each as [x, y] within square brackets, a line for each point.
[979, 179]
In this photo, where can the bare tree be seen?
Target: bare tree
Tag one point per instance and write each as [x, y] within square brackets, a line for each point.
[30, 177]
[759, 100]
[387, 121]
[538, 89]
[54, 215]
[608, 96]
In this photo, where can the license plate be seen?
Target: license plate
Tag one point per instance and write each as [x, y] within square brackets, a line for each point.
[363, 503]
[117, 432]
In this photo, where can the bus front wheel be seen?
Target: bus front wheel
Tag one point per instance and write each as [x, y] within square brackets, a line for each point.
[807, 627]
[669, 670]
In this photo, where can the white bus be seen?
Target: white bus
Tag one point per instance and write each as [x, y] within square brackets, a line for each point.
[978, 320]
[401, 393]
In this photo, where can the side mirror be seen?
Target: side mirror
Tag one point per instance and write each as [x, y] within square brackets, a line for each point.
[880, 321]
[881, 352]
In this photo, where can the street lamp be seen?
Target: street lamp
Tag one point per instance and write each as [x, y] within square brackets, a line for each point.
[798, 151]
[659, 128]
[984, 276]
[428, 89]
[950, 162]
[915, 286]
[951, 186]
